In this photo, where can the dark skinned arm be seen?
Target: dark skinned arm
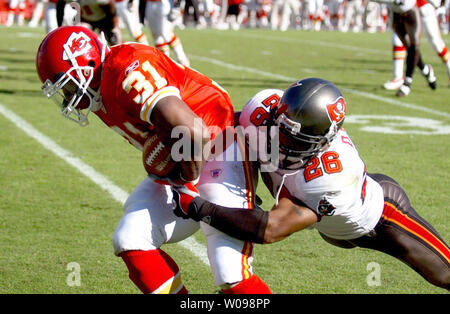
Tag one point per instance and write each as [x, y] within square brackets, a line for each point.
[287, 218]
[170, 112]
[255, 225]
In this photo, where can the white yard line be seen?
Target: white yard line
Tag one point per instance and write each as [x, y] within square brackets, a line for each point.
[397, 102]
[117, 193]
[293, 79]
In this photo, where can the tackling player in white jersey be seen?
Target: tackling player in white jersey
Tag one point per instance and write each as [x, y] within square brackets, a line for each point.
[322, 182]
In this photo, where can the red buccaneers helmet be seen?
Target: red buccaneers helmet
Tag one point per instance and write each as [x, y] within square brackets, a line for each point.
[69, 63]
[309, 115]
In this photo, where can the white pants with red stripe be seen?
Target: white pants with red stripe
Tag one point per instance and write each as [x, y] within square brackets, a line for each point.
[156, 16]
[130, 18]
[149, 221]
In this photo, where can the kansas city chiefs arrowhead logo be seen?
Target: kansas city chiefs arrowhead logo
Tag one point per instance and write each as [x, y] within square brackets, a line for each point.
[77, 45]
[325, 208]
[336, 110]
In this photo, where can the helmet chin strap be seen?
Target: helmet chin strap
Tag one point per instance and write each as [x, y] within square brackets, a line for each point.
[282, 183]
[330, 136]
[96, 103]
[332, 131]
[97, 99]
[104, 46]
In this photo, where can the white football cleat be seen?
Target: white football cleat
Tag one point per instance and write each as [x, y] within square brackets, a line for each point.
[393, 84]
[431, 78]
[403, 91]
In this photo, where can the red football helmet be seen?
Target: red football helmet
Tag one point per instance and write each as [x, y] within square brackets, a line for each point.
[69, 63]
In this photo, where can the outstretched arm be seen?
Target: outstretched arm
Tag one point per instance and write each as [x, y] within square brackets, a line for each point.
[287, 218]
[254, 225]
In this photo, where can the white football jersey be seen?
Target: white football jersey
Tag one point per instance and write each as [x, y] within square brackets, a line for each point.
[334, 183]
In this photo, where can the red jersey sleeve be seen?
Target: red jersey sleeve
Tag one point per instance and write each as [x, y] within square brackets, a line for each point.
[136, 77]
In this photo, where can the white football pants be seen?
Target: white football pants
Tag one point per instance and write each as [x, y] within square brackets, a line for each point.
[149, 221]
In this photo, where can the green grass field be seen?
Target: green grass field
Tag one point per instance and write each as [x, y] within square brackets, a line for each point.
[51, 215]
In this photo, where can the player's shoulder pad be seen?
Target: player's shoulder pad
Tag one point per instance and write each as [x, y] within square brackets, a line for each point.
[259, 100]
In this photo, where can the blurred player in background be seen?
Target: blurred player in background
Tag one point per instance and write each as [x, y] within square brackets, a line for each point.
[336, 11]
[433, 34]
[290, 12]
[39, 6]
[275, 13]
[375, 17]
[322, 182]
[128, 13]
[103, 15]
[16, 10]
[48, 7]
[137, 91]
[315, 14]
[353, 15]
[51, 15]
[407, 24]
[193, 13]
[164, 38]
[443, 14]
[100, 15]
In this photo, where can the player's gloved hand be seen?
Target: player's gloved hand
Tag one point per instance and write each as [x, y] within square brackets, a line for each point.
[183, 195]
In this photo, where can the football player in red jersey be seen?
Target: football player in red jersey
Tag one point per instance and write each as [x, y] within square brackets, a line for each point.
[322, 182]
[135, 89]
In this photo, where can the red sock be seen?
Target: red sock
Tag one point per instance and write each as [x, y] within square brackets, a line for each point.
[154, 271]
[251, 285]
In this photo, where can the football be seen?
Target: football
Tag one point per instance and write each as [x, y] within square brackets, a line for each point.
[156, 157]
